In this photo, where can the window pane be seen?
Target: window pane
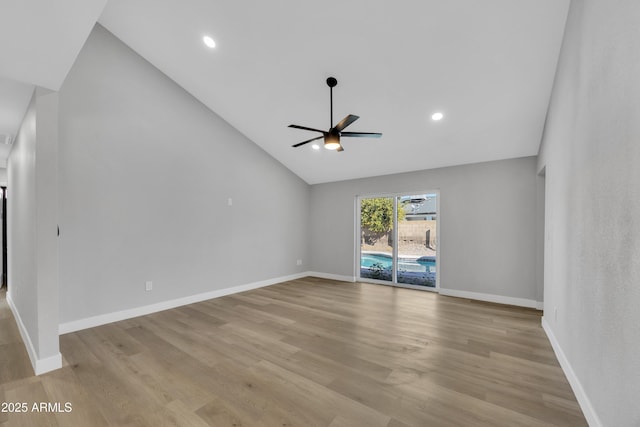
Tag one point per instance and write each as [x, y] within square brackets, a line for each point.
[417, 240]
[376, 238]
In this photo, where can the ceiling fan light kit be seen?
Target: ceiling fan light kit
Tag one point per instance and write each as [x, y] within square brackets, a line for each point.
[332, 136]
[332, 141]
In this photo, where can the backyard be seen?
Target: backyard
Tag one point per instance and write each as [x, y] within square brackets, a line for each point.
[416, 241]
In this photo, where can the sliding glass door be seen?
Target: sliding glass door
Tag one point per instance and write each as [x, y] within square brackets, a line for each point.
[398, 238]
[417, 234]
[376, 238]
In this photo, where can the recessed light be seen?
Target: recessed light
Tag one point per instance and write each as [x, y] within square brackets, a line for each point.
[209, 42]
[437, 116]
[315, 146]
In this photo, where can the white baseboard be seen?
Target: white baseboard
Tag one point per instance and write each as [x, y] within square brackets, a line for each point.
[40, 366]
[585, 404]
[520, 302]
[103, 319]
[48, 364]
[331, 276]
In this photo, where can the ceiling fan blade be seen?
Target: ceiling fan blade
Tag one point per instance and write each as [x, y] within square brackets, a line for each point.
[346, 122]
[307, 141]
[305, 128]
[340, 149]
[361, 134]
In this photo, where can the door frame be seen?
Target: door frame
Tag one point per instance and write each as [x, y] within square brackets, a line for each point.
[358, 251]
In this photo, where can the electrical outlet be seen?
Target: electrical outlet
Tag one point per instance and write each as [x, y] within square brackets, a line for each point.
[299, 262]
[230, 201]
[148, 285]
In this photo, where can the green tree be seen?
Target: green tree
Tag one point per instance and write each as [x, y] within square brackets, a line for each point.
[377, 214]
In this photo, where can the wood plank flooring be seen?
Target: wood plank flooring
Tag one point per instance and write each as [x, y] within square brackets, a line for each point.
[309, 352]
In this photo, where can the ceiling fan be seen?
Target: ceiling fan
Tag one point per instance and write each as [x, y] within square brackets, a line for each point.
[332, 136]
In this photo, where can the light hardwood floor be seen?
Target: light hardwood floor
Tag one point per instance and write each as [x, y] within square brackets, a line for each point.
[309, 352]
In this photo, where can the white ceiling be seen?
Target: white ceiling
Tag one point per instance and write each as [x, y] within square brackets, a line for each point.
[39, 41]
[487, 65]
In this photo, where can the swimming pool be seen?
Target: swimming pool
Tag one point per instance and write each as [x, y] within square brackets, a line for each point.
[411, 270]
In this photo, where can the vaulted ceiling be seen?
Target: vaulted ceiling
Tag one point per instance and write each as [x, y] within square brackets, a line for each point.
[487, 65]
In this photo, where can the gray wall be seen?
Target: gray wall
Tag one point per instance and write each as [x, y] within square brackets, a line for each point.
[487, 224]
[146, 172]
[32, 219]
[21, 230]
[591, 151]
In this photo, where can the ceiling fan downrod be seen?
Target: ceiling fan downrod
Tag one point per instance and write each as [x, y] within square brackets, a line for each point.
[331, 82]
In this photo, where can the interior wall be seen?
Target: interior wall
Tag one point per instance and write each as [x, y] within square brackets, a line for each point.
[47, 227]
[31, 229]
[540, 202]
[592, 253]
[21, 230]
[487, 224]
[146, 177]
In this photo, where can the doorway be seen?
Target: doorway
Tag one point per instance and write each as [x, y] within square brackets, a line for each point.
[3, 230]
[398, 239]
